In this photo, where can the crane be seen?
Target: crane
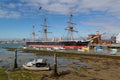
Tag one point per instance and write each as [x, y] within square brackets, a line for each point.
[97, 36]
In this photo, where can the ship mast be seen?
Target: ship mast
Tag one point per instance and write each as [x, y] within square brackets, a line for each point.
[70, 29]
[45, 30]
[33, 33]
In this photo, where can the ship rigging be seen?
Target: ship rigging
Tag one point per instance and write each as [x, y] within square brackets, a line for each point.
[70, 29]
[67, 44]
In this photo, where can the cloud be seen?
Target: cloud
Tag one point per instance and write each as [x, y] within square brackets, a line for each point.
[51, 6]
[110, 7]
[103, 15]
[98, 11]
[9, 14]
[103, 26]
[107, 6]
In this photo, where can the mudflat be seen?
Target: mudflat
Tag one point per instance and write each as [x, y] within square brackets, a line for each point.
[99, 69]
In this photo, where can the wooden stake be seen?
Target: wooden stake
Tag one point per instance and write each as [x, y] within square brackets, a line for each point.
[55, 73]
[15, 59]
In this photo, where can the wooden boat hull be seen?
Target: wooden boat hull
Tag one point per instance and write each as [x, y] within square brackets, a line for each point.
[36, 68]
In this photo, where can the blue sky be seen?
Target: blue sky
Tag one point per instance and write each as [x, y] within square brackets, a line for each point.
[18, 16]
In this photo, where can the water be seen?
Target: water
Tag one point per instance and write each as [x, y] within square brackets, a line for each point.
[10, 45]
[7, 58]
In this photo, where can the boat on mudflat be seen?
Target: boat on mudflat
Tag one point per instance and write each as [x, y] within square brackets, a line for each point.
[37, 65]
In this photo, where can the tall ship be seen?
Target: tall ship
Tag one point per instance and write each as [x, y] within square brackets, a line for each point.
[60, 44]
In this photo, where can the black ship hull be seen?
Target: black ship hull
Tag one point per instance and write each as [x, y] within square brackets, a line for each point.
[61, 44]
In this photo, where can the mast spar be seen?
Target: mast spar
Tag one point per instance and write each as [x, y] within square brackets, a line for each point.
[45, 30]
[33, 33]
[70, 29]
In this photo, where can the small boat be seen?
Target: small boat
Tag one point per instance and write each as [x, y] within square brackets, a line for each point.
[37, 64]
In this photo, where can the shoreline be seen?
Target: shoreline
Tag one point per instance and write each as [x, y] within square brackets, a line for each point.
[68, 54]
[102, 68]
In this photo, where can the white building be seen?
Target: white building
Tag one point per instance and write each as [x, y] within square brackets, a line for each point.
[118, 38]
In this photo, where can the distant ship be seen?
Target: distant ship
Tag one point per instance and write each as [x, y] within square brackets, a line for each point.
[60, 44]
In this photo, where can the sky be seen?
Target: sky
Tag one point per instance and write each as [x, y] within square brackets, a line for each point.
[18, 16]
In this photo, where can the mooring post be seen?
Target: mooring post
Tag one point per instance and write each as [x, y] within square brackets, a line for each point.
[15, 59]
[55, 73]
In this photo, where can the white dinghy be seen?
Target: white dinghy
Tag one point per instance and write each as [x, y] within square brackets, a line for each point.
[37, 64]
